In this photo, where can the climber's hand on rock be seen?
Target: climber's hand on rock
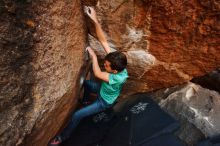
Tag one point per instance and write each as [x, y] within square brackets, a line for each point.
[91, 52]
[91, 13]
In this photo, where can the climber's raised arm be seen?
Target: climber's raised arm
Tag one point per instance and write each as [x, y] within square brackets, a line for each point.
[100, 33]
[95, 66]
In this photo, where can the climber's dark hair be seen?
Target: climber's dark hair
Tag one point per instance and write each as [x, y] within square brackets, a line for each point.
[117, 59]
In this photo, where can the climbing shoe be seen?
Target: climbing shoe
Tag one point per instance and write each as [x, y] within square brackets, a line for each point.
[56, 141]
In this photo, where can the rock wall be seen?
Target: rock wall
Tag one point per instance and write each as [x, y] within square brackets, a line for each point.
[42, 55]
[167, 42]
[198, 106]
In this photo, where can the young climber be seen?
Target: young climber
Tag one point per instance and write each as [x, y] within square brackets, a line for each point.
[113, 78]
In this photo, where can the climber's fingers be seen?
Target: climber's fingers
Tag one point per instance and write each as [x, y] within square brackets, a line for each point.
[91, 13]
[88, 47]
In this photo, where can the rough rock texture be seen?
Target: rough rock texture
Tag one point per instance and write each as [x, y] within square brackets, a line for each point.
[198, 110]
[42, 55]
[167, 42]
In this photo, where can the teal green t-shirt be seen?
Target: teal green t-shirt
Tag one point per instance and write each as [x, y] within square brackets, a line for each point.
[110, 90]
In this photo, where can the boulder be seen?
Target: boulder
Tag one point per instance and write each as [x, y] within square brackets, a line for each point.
[198, 110]
[42, 60]
[167, 42]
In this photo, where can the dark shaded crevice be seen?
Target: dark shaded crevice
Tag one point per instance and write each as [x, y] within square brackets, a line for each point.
[210, 81]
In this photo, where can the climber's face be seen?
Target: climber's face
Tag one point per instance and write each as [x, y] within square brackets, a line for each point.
[108, 68]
